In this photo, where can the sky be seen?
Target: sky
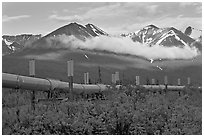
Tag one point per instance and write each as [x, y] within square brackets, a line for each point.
[114, 18]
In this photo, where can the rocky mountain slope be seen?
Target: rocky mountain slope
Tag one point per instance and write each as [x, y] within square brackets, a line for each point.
[152, 35]
[12, 44]
[78, 30]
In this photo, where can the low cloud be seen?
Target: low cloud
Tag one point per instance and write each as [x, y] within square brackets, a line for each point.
[46, 56]
[120, 45]
[67, 18]
[6, 18]
[185, 4]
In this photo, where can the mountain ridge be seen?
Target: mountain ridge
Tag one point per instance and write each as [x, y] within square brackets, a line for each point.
[153, 35]
[149, 35]
[13, 43]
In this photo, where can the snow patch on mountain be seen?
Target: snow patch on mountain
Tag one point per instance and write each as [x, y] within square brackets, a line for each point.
[164, 36]
[7, 42]
[152, 35]
[15, 43]
[94, 30]
[97, 30]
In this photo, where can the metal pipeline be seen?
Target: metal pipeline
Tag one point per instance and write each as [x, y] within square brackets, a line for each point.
[23, 82]
[31, 83]
[162, 87]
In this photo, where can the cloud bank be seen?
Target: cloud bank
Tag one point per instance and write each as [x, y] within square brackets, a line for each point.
[120, 45]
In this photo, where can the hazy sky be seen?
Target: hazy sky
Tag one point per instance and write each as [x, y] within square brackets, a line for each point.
[114, 18]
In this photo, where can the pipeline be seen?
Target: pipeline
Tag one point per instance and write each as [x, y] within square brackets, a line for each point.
[162, 87]
[31, 83]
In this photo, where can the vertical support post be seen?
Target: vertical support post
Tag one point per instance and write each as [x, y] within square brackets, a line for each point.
[117, 79]
[32, 68]
[137, 80]
[165, 81]
[32, 74]
[99, 75]
[153, 81]
[113, 79]
[179, 82]
[86, 78]
[188, 81]
[70, 73]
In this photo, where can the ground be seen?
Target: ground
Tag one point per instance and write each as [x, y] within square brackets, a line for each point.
[123, 112]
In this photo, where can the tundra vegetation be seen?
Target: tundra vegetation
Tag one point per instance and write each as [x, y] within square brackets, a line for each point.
[127, 111]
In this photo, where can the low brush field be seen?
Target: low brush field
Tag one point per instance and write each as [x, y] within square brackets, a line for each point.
[123, 112]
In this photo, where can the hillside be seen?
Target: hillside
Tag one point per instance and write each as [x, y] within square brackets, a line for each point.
[49, 66]
[11, 44]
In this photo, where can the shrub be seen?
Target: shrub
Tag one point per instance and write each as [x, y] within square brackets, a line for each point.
[128, 112]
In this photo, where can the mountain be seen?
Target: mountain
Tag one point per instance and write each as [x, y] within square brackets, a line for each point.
[171, 37]
[10, 47]
[144, 35]
[21, 39]
[5, 49]
[151, 35]
[12, 44]
[78, 30]
[198, 43]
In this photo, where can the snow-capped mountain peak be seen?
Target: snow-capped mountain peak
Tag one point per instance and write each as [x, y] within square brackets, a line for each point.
[152, 35]
[95, 29]
[78, 30]
[151, 26]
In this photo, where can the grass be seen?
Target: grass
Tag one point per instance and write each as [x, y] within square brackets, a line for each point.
[124, 112]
